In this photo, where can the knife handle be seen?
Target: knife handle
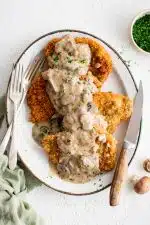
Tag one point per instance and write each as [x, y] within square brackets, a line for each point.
[119, 178]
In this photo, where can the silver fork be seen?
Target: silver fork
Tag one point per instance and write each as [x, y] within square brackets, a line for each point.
[32, 69]
[15, 95]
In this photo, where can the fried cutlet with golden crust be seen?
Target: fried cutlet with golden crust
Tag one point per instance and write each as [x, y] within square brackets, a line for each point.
[101, 63]
[107, 151]
[41, 108]
[114, 107]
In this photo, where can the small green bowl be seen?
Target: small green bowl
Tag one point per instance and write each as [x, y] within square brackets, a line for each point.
[139, 15]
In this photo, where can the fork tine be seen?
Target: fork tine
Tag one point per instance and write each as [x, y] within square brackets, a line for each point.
[21, 82]
[12, 79]
[20, 78]
[17, 81]
[38, 66]
[34, 61]
[32, 66]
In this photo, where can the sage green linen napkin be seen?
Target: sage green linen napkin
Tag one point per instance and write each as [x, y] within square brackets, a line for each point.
[14, 210]
[13, 187]
[31, 181]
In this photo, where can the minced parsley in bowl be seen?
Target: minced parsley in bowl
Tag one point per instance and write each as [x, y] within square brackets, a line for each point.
[141, 32]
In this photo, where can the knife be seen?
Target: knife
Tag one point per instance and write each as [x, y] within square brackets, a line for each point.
[129, 143]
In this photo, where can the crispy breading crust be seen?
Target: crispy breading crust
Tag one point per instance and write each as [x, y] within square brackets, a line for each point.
[99, 57]
[49, 144]
[114, 107]
[49, 49]
[107, 151]
[38, 101]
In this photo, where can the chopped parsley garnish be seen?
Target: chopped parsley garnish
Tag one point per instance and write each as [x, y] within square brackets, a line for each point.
[83, 61]
[69, 60]
[141, 32]
[56, 58]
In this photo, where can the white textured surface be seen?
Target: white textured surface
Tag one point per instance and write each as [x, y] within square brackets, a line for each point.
[22, 21]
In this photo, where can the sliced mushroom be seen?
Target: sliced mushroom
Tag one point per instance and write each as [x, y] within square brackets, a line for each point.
[146, 165]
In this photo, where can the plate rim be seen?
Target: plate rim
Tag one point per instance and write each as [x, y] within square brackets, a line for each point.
[132, 77]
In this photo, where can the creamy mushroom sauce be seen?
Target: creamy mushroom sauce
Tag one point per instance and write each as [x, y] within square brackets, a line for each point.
[73, 99]
[70, 56]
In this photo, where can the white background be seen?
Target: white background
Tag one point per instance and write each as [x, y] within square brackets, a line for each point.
[22, 21]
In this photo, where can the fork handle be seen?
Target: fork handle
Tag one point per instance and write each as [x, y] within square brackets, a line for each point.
[7, 136]
[119, 178]
[12, 157]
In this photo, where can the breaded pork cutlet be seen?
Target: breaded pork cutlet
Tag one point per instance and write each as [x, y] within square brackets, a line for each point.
[107, 151]
[41, 108]
[101, 63]
[114, 107]
[37, 98]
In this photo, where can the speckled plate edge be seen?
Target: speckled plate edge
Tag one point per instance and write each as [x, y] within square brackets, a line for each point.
[101, 40]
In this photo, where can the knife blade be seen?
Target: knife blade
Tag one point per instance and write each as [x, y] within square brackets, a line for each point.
[135, 120]
[129, 142]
